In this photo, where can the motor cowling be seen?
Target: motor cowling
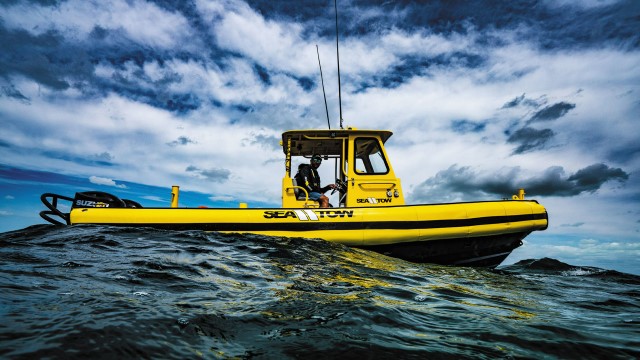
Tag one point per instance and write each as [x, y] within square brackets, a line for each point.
[97, 199]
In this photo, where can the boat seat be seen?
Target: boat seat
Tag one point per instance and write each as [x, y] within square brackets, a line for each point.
[300, 194]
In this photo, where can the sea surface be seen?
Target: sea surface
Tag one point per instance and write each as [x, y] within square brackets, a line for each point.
[106, 292]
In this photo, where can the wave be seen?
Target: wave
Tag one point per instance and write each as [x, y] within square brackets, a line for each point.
[171, 294]
[109, 237]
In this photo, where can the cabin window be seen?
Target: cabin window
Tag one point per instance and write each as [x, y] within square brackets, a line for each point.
[369, 158]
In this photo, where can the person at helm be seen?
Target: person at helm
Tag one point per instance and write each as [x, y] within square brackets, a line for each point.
[310, 180]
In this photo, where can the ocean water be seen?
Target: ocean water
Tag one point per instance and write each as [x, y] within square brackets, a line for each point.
[107, 292]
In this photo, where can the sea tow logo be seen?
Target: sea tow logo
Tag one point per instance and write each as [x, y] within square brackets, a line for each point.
[374, 200]
[306, 215]
[91, 203]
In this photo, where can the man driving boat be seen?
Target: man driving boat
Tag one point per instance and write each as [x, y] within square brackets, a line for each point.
[310, 180]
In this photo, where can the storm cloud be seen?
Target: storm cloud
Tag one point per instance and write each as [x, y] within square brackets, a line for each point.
[522, 100]
[551, 112]
[530, 139]
[462, 183]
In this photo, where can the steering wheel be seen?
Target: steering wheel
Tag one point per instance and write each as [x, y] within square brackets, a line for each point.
[340, 186]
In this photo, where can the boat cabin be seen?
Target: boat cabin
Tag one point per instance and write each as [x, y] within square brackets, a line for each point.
[363, 171]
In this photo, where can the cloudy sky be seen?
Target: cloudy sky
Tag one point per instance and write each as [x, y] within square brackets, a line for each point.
[483, 97]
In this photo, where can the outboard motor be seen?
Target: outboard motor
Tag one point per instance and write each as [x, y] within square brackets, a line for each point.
[97, 199]
[87, 199]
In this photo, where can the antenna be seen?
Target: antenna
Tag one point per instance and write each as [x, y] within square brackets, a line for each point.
[323, 93]
[335, 3]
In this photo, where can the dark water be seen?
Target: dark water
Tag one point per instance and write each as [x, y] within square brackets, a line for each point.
[103, 292]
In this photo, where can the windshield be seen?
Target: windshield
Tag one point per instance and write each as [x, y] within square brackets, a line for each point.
[369, 157]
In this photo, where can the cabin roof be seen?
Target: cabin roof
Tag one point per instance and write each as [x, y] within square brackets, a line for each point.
[324, 141]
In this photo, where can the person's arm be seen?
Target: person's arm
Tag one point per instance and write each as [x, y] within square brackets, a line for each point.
[327, 188]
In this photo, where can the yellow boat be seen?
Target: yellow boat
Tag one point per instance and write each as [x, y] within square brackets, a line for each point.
[371, 212]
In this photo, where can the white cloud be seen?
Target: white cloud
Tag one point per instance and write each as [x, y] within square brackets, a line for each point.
[155, 198]
[104, 181]
[222, 198]
[140, 20]
[277, 45]
[406, 43]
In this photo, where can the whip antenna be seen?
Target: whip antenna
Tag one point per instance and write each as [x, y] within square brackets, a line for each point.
[335, 3]
[323, 93]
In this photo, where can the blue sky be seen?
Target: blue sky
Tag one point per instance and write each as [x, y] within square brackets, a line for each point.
[483, 97]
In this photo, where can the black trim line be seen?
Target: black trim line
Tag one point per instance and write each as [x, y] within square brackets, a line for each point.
[273, 225]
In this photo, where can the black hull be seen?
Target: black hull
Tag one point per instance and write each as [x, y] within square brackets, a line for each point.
[487, 251]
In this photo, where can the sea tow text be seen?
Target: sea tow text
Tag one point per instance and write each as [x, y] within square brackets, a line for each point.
[304, 215]
[373, 200]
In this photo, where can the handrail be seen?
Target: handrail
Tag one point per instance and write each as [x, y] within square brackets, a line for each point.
[309, 137]
[393, 184]
[344, 166]
[306, 193]
[53, 208]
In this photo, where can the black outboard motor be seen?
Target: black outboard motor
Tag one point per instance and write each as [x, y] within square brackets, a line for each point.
[97, 199]
[87, 199]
